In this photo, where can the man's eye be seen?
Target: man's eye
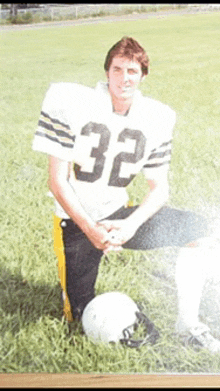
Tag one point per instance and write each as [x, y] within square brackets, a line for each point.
[132, 71]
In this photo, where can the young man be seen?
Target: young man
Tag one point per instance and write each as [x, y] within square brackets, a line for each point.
[97, 141]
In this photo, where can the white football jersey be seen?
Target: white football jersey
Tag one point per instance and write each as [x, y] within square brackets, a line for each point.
[78, 124]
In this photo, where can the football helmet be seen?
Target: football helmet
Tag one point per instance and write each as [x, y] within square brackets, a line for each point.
[113, 317]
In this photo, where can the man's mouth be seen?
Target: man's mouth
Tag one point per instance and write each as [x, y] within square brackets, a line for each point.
[125, 89]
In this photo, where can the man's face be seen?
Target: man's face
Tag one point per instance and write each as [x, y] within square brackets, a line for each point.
[124, 77]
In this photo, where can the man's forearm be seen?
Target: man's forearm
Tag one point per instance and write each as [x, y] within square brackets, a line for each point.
[68, 200]
[58, 182]
[156, 198]
[66, 197]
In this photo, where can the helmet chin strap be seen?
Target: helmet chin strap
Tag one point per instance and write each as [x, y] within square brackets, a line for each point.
[151, 337]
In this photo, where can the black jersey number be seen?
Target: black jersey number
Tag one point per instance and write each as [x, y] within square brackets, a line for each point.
[98, 154]
[127, 157]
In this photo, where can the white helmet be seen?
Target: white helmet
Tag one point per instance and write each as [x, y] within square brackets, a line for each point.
[112, 317]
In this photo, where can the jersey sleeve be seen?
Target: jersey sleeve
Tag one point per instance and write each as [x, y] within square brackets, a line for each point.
[159, 159]
[53, 134]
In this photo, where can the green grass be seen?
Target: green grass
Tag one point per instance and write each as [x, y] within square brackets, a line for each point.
[184, 74]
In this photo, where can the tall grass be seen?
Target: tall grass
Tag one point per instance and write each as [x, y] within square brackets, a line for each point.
[184, 74]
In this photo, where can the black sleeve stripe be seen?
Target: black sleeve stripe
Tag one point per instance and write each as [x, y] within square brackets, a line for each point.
[156, 164]
[55, 121]
[162, 145]
[67, 145]
[160, 154]
[166, 143]
[58, 132]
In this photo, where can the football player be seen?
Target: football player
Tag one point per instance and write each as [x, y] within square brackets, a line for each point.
[97, 140]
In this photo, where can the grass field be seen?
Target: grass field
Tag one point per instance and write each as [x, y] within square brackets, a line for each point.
[184, 74]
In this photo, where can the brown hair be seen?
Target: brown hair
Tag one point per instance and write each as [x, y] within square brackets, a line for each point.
[131, 49]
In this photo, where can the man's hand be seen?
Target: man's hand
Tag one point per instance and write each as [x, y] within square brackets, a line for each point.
[99, 237]
[119, 231]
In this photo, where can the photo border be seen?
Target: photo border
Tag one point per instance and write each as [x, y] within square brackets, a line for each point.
[67, 380]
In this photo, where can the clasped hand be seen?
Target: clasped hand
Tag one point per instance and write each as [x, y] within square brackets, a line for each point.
[118, 233]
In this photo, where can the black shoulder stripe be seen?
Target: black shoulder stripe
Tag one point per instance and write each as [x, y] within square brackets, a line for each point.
[67, 145]
[166, 143]
[60, 133]
[156, 164]
[160, 154]
[54, 120]
[162, 145]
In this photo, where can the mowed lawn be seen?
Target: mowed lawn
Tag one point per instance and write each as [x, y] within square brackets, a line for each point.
[184, 73]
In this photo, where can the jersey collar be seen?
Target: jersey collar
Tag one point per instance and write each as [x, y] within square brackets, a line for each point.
[102, 89]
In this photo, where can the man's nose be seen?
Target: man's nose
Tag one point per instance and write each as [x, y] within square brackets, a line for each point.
[125, 76]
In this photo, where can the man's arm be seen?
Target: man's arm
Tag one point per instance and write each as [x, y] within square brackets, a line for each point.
[154, 200]
[59, 171]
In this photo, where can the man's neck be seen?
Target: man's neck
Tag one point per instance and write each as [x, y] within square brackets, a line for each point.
[121, 107]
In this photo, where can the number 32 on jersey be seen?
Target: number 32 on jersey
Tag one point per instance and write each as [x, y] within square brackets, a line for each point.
[98, 154]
